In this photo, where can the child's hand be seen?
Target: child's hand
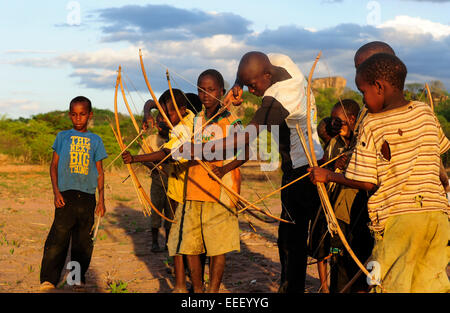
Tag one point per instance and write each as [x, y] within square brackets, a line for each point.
[127, 157]
[218, 171]
[100, 209]
[319, 175]
[59, 200]
[234, 96]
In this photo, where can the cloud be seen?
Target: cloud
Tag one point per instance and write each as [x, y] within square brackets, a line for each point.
[423, 45]
[417, 26]
[26, 51]
[437, 1]
[162, 22]
[23, 104]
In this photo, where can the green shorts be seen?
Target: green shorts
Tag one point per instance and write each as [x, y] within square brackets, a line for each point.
[204, 227]
[411, 253]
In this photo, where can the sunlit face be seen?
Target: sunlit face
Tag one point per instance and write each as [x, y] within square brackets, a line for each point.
[79, 115]
[372, 96]
[209, 91]
[161, 125]
[257, 84]
[347, 121]
[171, 112]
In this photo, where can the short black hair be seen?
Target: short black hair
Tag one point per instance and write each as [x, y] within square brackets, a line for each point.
[351, 107]
[179, 96]
[375, 47]
[194, 102]
[216, 75]
[81, 99]
[323, 129]
[384, 66]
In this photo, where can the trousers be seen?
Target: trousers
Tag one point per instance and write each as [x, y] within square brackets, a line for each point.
[73, 222]
[299, 203]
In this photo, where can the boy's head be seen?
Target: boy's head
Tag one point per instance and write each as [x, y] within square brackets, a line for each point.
[162, 127]
[149, 104]
[81, 100]
[194, 102]
[80, 111]
[323, 130]
[255, 72]
[379, 78]
[343, 117]
[169, 109]
[210, 88]
[370, 49]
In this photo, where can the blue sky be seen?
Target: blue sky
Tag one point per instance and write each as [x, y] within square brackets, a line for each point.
[52, 51]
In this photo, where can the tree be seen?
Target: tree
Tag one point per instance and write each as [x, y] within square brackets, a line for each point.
[437, 87]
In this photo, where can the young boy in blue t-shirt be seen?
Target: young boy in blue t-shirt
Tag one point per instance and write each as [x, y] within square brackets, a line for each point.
[76, 171]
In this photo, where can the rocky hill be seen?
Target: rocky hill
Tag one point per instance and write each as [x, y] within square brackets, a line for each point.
[336, 82]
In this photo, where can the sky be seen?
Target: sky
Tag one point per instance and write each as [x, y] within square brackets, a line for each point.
[53, 51]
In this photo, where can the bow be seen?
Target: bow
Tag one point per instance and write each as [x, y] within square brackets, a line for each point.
[142, 195]
[201, 163]
[331, 218]
[430, 97]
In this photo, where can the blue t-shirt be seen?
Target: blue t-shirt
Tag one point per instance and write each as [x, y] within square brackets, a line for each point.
[78, 152]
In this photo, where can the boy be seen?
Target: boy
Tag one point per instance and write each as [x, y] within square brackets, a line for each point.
[209, 220]
[76, 171]
[176, 181]
[159, 178]
[397, 159]
[325, 132]
[369, 49]
[350, 205]
[282, 85]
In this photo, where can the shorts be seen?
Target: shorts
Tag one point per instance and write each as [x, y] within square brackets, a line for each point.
[411, 253]
[204, 227]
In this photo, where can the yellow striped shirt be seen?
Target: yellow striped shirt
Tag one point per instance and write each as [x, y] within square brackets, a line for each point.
[409, 181]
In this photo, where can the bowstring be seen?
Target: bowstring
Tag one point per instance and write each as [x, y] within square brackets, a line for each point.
[159, 172]
[129, 94]
[239, 125]
[324, 60]
[333, 264]
[184, 95]
[175, 82]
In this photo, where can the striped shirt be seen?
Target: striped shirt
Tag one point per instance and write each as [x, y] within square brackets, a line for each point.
[399, 151]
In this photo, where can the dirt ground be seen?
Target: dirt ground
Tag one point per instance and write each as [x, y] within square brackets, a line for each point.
[122, 249]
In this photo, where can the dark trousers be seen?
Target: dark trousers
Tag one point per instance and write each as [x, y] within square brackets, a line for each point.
[73, 221]
[299, 202]
[343, 267]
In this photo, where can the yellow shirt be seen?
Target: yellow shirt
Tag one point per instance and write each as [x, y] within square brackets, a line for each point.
[181, 132]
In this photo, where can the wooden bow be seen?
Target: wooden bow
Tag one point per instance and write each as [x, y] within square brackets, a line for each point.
[142, 195]
[430, 96]
[201, 163]
[326, 204]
